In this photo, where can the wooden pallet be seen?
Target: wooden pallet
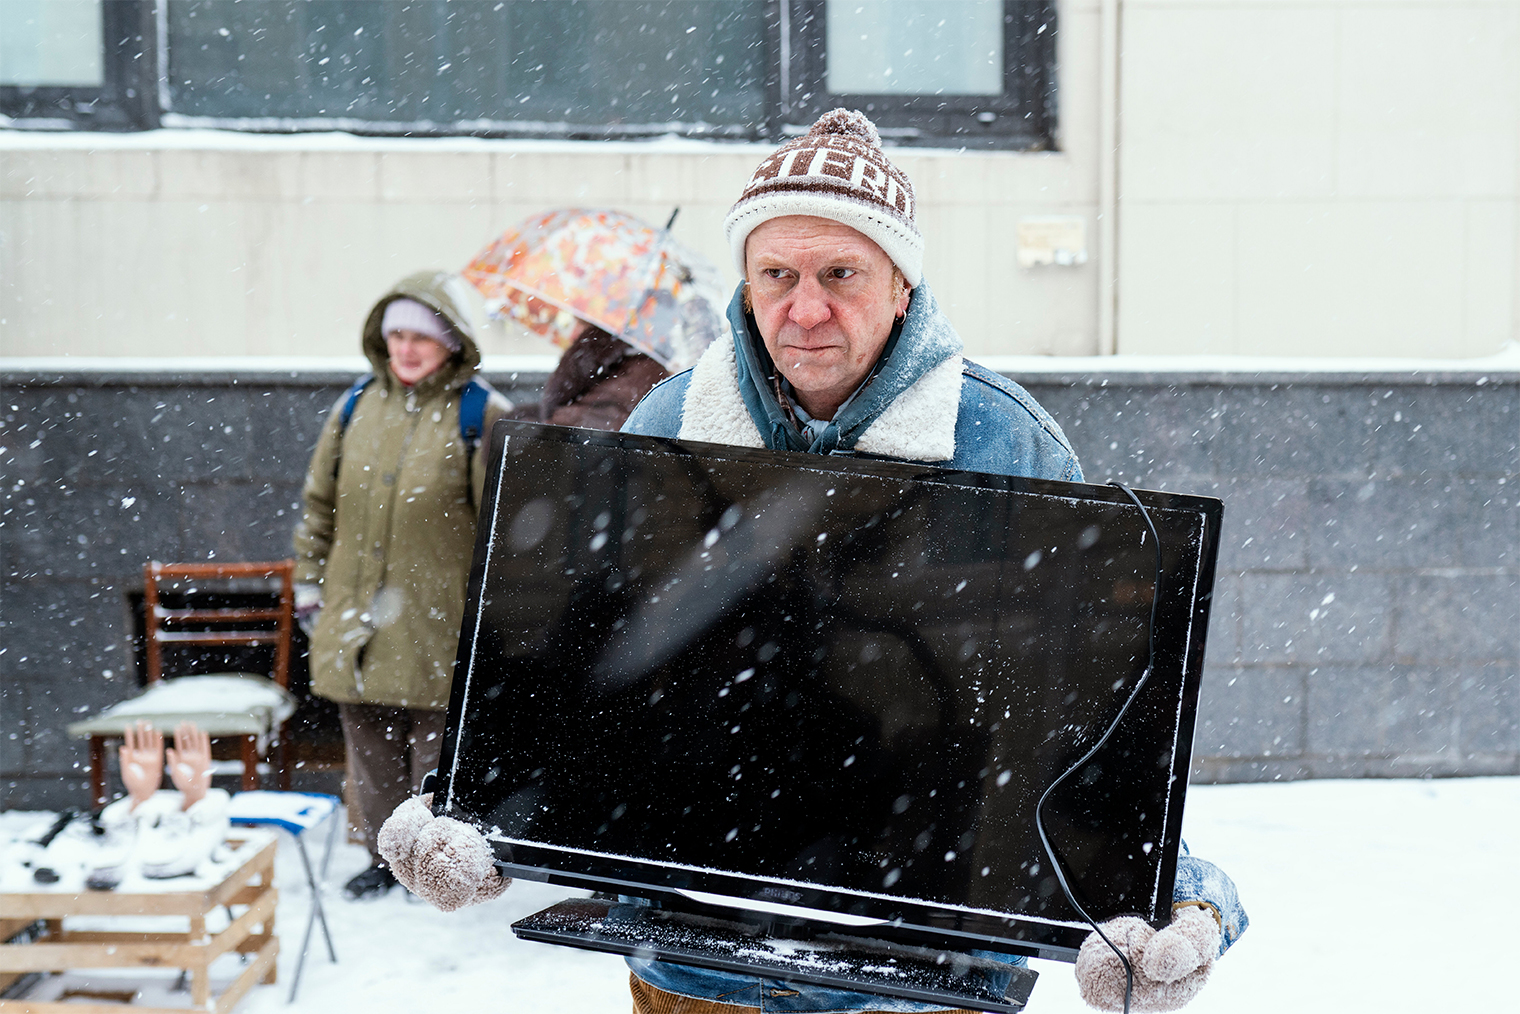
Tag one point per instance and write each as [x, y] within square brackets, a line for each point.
[250, 885]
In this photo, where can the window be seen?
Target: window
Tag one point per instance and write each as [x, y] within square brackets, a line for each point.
[585, 69]
[88, 64]
[978, 73]
[962, 72]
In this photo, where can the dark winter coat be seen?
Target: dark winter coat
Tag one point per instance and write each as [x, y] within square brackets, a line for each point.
[388, 527]
[596, 384]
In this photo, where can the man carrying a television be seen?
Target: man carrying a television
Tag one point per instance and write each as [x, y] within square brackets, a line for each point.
[840, 347]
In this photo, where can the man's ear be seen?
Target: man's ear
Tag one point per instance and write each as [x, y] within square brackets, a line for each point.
[902, 292]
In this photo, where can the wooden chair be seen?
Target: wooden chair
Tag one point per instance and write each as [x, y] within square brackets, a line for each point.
[249, 707]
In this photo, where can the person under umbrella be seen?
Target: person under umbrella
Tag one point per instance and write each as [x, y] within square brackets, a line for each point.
[626, 302]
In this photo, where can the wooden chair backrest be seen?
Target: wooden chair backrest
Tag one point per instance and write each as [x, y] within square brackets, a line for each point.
[158, 622]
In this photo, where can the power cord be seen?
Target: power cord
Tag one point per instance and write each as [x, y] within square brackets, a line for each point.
[1039, 819]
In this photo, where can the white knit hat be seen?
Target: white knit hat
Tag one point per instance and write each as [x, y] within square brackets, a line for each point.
[838, 171]
[409, 315]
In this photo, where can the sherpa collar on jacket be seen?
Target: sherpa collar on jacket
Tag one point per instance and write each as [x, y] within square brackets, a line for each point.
[908, 411]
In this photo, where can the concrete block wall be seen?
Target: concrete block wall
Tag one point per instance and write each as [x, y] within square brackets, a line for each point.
[1367, 615]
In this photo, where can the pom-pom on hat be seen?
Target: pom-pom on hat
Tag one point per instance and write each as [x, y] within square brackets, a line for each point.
[838, 171]
[409, 315]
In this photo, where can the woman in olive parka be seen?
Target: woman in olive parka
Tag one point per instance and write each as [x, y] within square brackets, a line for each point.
[385, 540]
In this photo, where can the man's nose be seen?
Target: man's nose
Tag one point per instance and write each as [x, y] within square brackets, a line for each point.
[810, 304]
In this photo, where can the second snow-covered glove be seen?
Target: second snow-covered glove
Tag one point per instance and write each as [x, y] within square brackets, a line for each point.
[439, 859]
[1170, 965]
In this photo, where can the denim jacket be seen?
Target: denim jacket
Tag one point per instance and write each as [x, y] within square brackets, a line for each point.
[926, 403]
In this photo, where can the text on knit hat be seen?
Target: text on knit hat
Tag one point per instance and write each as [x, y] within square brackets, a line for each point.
[836, 171]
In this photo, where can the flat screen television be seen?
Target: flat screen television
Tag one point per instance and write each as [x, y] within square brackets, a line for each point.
[828, 691]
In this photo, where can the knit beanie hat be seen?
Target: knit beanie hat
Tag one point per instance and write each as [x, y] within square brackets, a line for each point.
[838, 171]
[409, 315]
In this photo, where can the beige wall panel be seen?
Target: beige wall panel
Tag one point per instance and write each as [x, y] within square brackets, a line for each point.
[1488, 320]
[69, 172]
[990, 178]
[690, 178]
[419, 235]
[1047, 310]
[1365, 279]
[553, 178]
[39, 302]
[336, 266]
[200, 293]
[212, 175]
[261, 329]
[454, 177]
[957, 270]
[135, 290]
[1427, 100]
[1177, 268]
[1079, 46]
[339, 176]
[1226, 102]
[947, 181]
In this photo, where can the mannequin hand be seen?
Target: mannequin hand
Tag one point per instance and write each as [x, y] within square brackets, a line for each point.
[441, 860]
[142, 761]
[190, 763]
[1170, 966]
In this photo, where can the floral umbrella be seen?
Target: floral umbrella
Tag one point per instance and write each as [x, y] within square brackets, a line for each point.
[628, 278]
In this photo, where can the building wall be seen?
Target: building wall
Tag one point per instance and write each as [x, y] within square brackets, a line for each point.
[1299, 178]
[1324, 177]
[1367, 611]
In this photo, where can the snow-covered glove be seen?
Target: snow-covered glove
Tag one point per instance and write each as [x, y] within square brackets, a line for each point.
[439, 859]
[308, 605]
[1170, 965]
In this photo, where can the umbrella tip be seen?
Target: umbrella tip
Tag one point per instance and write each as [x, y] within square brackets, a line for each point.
[673, 215]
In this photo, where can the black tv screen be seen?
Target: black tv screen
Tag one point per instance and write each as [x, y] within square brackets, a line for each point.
[833, 683]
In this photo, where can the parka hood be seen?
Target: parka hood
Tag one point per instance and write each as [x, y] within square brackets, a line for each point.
[450, 295]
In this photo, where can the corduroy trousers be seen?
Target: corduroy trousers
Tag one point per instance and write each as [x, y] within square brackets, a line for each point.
[389, 750]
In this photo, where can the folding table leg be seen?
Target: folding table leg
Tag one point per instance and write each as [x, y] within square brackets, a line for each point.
[317, 915]
[332, 839]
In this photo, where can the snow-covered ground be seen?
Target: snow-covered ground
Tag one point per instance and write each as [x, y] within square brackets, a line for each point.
[1363, 896]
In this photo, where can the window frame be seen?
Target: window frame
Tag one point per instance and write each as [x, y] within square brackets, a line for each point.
[128, 97]
[1023, 118]
[135, 93]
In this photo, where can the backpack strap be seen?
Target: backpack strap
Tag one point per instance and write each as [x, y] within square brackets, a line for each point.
[346, 413]
[472, 421]
[352, 399]
[472, 413]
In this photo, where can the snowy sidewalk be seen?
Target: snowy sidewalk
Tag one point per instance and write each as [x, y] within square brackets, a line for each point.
[1334, 874]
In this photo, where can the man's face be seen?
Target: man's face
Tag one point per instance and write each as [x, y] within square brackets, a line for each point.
[824, 298]
[414, 356]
